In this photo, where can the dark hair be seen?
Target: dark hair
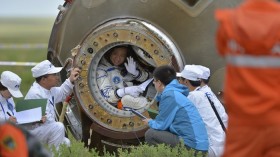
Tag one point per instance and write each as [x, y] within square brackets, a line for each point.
[2, 87]
[38, 79]
[195, 83]
[206, 81]
[165, 74]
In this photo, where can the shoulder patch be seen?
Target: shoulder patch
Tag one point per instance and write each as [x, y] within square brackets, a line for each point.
[116, 79]
[8, 143]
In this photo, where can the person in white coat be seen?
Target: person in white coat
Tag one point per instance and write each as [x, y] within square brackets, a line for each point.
[205, 78]
[9, 88]
[190, 77]
[45, 73]
[114, 78]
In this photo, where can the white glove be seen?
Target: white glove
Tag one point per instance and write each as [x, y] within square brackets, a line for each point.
[132, 90]
[131, 66]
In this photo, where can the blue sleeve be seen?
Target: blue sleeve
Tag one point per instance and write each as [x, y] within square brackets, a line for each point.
[167, 111]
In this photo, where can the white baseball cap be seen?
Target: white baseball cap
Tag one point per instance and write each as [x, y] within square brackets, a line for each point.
[178, 75]
[191, 72]
[12, 82]
[205, 72]
[43, 68]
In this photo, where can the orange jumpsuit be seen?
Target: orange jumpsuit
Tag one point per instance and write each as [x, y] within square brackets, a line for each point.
[248, 38]
[12, 141]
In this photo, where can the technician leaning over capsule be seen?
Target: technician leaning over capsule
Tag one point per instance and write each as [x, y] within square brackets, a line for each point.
[177, 117]
[9, 86]
[114, 78]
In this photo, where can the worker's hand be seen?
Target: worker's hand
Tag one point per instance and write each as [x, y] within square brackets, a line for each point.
[132, 90]
[75, 73]
[43, 119]
[131, 66]
[12, 119]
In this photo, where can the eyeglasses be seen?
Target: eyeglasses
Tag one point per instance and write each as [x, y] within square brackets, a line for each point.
[180, 78]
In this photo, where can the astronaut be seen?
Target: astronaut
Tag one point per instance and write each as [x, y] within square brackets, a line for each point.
[114, 78]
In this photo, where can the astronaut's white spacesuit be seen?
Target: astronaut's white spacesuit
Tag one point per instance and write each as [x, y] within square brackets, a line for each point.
[115, 83]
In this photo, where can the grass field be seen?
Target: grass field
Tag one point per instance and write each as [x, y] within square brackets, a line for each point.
[18, 31]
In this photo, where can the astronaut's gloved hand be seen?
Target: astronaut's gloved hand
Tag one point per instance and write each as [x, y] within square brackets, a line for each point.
[132, 90]
[131, 66]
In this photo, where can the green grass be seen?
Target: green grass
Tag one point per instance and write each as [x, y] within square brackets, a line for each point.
[23, 55]
[77, 149]
[24, 31]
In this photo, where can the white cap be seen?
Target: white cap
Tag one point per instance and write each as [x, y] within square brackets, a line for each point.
[43, 68]
[191, 72]
[205, 72]
[12, 82]
[178, 75]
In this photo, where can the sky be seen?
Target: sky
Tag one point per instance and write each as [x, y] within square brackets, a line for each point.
[29, 8]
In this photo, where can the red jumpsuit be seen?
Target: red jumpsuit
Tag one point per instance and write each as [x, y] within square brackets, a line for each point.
[248, 38]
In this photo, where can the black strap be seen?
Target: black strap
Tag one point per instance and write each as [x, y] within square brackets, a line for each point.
[217, 114]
